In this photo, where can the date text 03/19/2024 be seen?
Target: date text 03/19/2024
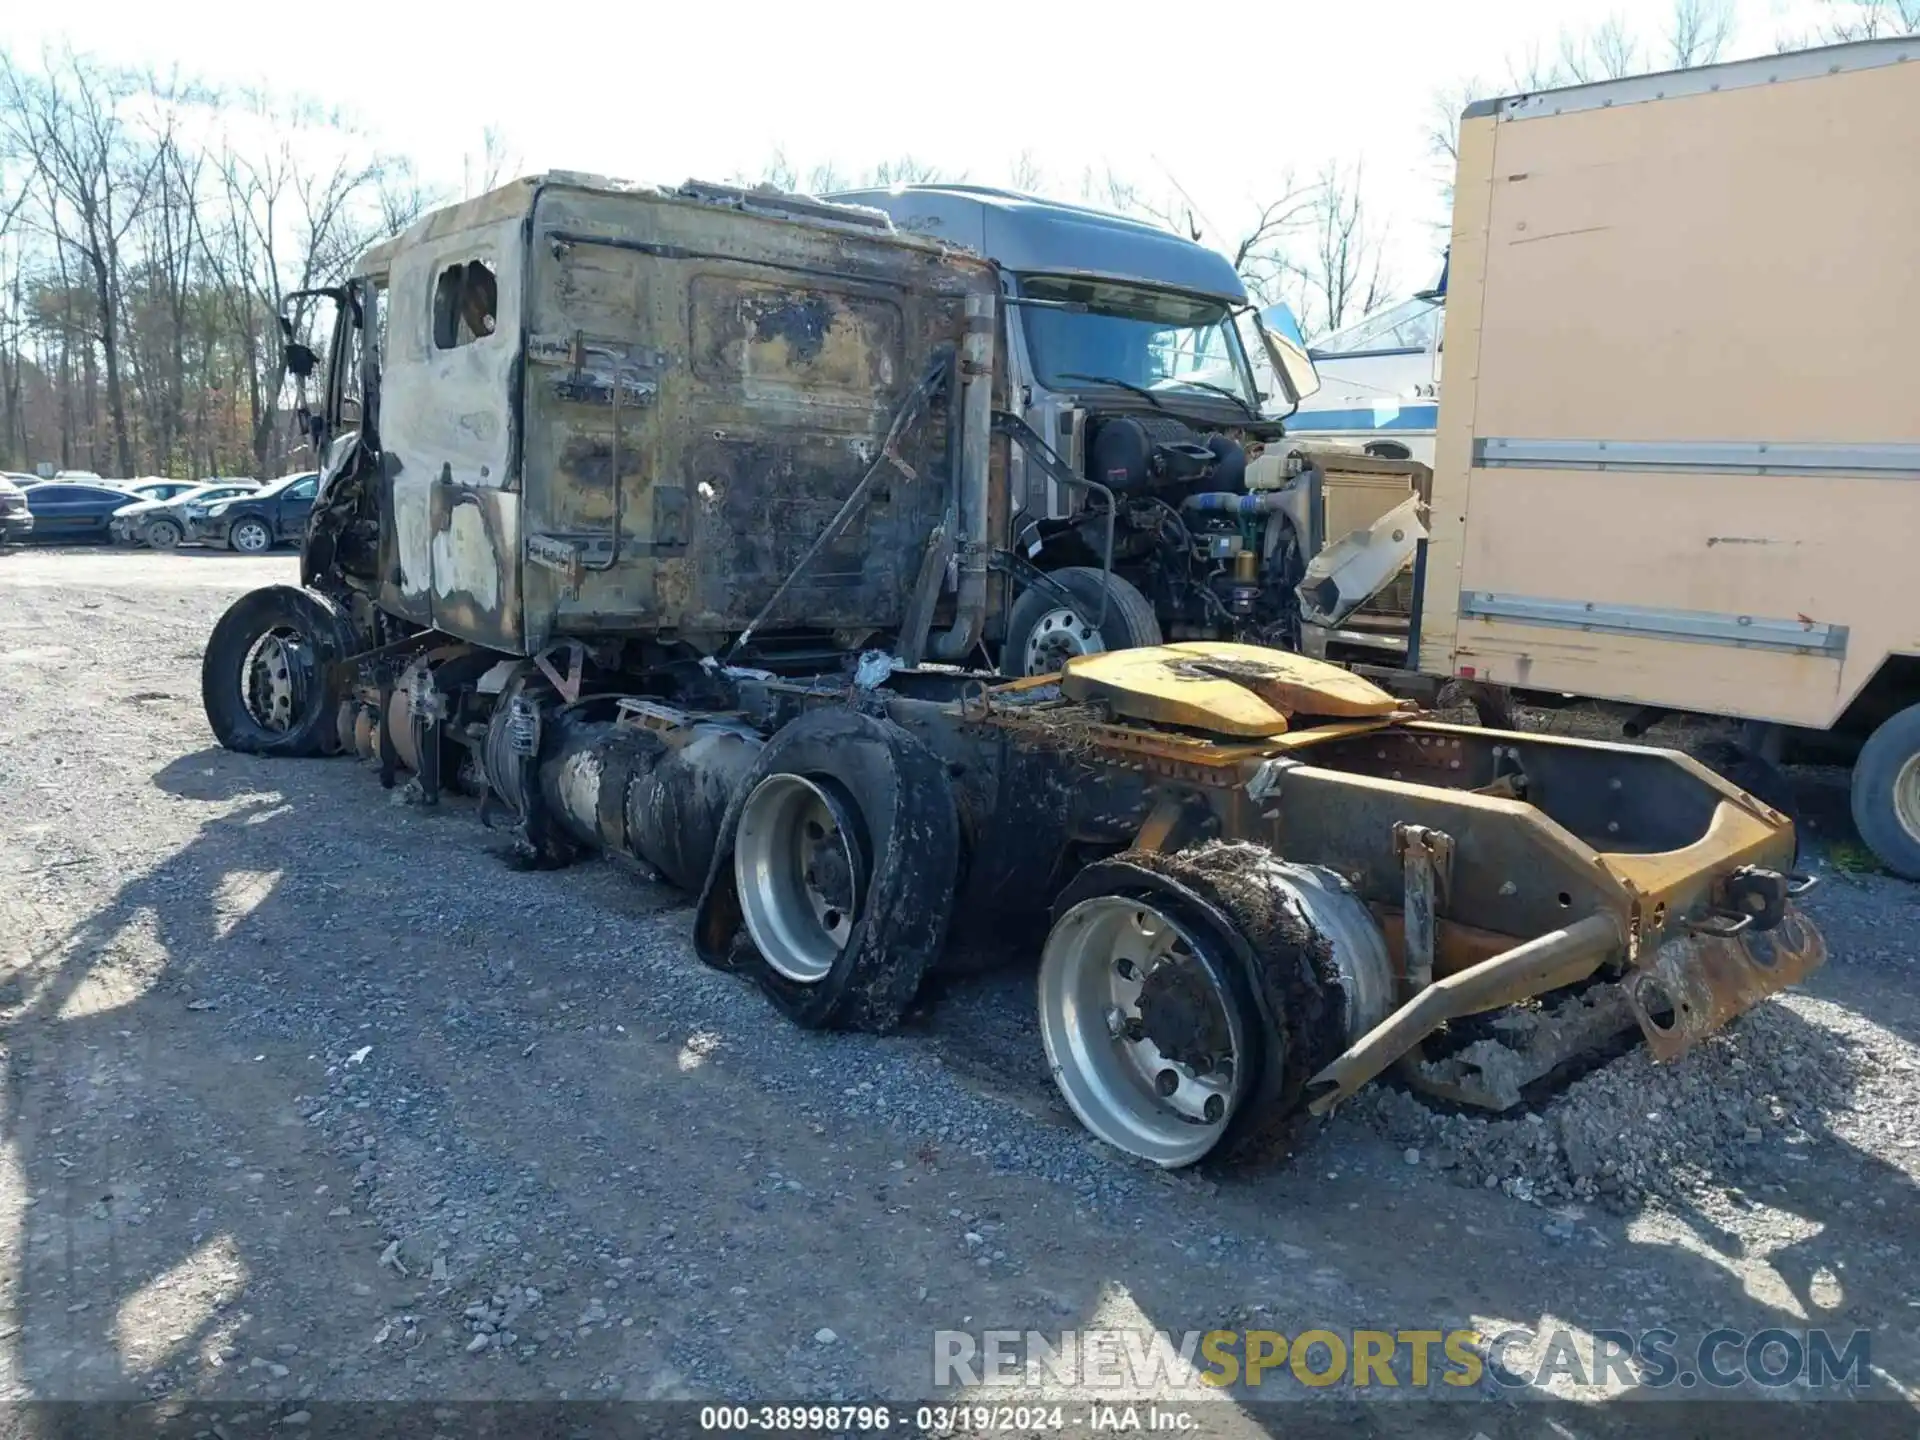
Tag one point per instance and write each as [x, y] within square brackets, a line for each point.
[943, 1419]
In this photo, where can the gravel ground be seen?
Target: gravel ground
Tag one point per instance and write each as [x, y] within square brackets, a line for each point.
[310, 1096]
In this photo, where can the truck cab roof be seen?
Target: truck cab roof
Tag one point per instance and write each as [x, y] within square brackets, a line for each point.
[1029, 235]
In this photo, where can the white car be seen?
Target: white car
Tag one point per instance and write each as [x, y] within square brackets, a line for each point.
[162, 522]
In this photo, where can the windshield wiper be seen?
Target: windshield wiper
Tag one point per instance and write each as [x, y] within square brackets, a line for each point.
[1140, 390]
[1221, 390]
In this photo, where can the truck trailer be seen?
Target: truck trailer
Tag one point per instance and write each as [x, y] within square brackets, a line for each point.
[1678, 460]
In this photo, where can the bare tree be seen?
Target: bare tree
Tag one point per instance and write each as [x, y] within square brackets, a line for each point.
[1257, 245]
[293, 224]
[1339, 274]
[1026, 174]
[904, 169]
[781, 173]
[492, 167]
[1698, 32]
[1870, 19]
[93, 184]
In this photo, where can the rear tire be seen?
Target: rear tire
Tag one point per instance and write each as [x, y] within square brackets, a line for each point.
[1270, 979]
[880, 803]
[1042, 634]
[263, 679]
[1886, 793]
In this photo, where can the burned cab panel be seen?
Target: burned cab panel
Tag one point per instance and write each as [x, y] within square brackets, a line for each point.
[450, 543]
[704, 387]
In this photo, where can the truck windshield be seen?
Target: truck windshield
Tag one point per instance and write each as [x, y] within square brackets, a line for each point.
[1156, 339]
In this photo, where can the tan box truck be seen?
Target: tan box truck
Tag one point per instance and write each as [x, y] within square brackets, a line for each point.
[1678, 462]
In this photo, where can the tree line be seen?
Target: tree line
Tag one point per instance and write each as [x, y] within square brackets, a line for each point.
[148, 228]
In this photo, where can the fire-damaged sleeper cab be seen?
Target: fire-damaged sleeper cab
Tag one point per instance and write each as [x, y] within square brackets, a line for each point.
[676, 524]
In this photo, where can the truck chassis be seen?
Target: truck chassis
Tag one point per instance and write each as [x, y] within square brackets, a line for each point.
[1255, 882]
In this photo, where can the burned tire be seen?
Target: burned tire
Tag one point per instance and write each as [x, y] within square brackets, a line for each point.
[1199, 1046]
[841, 853]
[1043, 634]
[1886, 793]
[164, 534]
[263, 679]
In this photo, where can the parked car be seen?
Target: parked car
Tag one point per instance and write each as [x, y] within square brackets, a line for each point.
[164, 523]
[153, 487]
[65, 511]
[16, 520]
[256, 522]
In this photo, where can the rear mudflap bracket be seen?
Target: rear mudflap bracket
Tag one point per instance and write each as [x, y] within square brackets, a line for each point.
[1698, 980]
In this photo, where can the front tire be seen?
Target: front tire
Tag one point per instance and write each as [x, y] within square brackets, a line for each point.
[1043, 634]
[250, 536]
[164, 535]
[264, 677]
[1886, 793]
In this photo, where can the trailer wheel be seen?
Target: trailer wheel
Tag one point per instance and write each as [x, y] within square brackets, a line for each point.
[1886, 793]
[263, 678]
[1043, 634]
[839, 862]
[1184, 1003]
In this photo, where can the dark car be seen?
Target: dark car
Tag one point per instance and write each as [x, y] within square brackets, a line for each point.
[255, 523]
[16, 520]
[70, 513]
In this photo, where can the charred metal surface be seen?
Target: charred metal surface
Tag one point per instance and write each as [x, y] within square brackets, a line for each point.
[474, 544]
[756, 363]
[1524, 1045]
[616, 411]
[1694, 984]
[1426, 859]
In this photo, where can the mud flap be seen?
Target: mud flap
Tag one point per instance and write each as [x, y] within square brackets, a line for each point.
[912, 835]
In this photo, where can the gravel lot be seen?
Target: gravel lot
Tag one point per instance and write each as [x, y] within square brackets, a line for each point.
[309, 1097]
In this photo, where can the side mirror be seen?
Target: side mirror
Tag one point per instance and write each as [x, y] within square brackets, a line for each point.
[298, 360]
[1286, 352]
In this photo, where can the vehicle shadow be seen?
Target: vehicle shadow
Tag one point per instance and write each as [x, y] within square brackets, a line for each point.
[1807, 1232]
[161, 1230]
[175, 1241]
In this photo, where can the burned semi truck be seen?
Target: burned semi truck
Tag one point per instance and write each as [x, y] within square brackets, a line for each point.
[1138, 358]
[671, 525]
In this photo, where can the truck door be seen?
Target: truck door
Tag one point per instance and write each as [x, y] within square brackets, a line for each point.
[451, 345]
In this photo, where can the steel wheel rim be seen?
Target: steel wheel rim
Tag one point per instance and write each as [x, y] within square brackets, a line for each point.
[797, 867]
[251, 536]
[1057, 637]
[1112, 1078]
[274, 678]
[163, 535]
[1906, 797]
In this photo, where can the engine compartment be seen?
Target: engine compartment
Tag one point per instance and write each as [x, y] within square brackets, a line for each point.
[1208, 523]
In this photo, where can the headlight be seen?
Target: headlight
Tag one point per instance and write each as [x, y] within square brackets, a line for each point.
[213, 512]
